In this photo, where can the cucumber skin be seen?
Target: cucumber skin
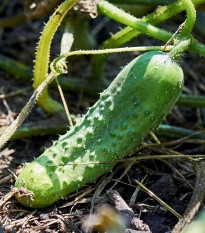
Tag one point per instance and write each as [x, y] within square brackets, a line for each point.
[135, 103]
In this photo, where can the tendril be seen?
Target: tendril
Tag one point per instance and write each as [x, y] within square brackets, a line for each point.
[58, 66]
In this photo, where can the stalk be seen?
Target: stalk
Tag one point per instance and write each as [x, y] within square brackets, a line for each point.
[179, 49]
[128, 33]
[42, 56]
[191, 18]
[121, 16]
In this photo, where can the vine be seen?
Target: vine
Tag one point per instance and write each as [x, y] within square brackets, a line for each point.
[128, 33]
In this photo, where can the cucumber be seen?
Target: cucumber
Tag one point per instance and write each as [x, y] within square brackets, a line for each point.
[135, 103]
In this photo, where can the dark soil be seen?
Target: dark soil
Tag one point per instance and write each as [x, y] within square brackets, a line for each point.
[115, 196]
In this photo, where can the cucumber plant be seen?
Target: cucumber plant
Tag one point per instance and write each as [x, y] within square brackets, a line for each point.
[135, 103]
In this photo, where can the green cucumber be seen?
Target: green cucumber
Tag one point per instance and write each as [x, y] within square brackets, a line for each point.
[135, 103]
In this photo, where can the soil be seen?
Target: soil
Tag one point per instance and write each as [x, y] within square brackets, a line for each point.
[115, 198]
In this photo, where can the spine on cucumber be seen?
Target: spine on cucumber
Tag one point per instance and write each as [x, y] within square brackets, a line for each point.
[135, 103]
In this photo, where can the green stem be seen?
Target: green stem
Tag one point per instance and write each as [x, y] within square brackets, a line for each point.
[15, 68]
[139, 24]
[57, 125]
[185, 34]
[179, 49]
[191, 101]
[136, 10]
[177, 132]
[42, 57]
[78, 26]
[129, 33]
[197, 47]
[122, 17]
[13, 21]
[51, 126]
[191, 18]
[125, 18]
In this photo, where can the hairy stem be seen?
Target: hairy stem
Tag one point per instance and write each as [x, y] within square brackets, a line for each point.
[57, 65]
[197, 48]
[191, 17]
[179, 49]
[42, 56]
[129, 33]
[122, 17]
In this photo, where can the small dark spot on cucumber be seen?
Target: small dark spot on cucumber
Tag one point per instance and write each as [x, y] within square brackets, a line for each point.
[79, 140]
[64, 144]
[65, 159]
[120, 137]
[112, 134]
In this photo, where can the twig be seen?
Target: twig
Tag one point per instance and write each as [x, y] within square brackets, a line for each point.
[153, 135]
[21, 192]
[14, 93]
[6, 179]
[134, 195]
[24, 112]
[14, 175]
[64, 103]
[66, 44]
[10, 117]
[128, 167]
[171, 39]
[158, 199]
[8, 196]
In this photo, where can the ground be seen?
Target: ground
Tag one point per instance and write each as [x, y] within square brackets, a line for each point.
[172, 180]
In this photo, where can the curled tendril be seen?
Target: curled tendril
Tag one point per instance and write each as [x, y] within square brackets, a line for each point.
[58, 67]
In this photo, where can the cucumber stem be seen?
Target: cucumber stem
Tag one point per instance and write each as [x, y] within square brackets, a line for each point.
[128, 33]
[197, 47]
[191, 17]
[121, 16]
[176, 52]
[185, 35]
